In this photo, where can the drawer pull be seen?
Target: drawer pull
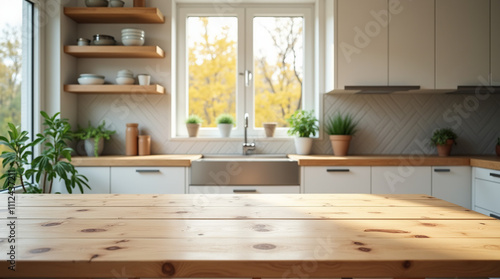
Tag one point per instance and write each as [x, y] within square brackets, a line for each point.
[442, 170]
[337, 170]
[146, 171]
[494, 216]
[495, 175]
[244, 191]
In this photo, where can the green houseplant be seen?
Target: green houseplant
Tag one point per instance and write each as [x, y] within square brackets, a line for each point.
[341, 129]
[303, 124]
[443, 139]
[94, 138]
[46, 167]
[193, 124]
[225, 123]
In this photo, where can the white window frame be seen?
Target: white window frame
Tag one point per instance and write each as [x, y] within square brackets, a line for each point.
[245, 100]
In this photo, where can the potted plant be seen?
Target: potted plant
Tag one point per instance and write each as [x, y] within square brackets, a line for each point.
[303, 124]
[225, 123]
[48, 165]
[94, 138]
[193, 123]
[497, 149]
[443, 139]
[341, 129]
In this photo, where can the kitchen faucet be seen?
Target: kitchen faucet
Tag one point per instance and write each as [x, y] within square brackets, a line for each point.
[246, 145]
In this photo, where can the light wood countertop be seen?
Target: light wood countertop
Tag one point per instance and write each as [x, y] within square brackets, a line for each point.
[389, 160]
[488, 162]
[172, 160]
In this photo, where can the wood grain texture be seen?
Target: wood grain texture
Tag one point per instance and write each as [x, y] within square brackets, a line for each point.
[490, 162]
[115, 51]
[115, 15]
[173, 160]
[403, 160]
[114, 89]
[318, 235]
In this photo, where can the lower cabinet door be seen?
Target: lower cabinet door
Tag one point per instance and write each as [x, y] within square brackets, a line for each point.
[148, 180]
[487, 195]
[401, 180]
[453, 184]
[336, 180]
[244, 189]
[98, 180]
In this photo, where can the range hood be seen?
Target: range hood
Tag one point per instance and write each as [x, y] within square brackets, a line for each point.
[414, 89]
[375, 89]
[472, 89]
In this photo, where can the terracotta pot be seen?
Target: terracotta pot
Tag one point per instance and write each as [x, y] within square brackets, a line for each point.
[444, 149]
[192, 129]
[303, 146]
[497, 149]
[340, 144]
[269, 127]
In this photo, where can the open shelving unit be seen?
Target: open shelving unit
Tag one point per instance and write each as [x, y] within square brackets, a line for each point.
[114, 89]
[115, 51]
[115, 15]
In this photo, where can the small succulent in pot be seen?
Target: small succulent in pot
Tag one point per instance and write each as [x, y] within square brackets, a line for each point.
[193, 123]
[341, 129]
[443, 139]
[225, 123]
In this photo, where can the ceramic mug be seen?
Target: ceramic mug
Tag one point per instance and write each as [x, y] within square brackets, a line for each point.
[144, 79]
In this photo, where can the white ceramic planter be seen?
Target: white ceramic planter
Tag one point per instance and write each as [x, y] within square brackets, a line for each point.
[303, 145]
[89, 147]
[225, 130]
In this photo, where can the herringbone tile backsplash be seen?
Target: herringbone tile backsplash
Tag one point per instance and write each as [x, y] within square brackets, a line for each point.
[388, 123]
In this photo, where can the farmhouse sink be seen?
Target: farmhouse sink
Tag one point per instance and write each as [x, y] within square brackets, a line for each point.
[236, 169]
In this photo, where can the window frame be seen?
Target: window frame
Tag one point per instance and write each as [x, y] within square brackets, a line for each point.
[245, 96]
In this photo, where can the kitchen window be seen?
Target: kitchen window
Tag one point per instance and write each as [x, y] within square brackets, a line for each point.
[247, 59]
[16, 66]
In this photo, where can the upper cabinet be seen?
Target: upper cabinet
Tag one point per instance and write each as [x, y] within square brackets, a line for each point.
[495, 42]
[361, 42]
[411, 43]
[462, 42]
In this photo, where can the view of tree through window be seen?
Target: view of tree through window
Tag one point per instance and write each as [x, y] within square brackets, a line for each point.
[10, 66]
[278, 67]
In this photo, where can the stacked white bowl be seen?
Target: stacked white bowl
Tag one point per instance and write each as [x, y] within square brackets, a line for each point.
[133, 37]
[125, 77]
[88, 79]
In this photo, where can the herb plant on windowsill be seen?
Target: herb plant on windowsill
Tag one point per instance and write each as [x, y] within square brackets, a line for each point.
[193, 124]
[225, 123]
[94, 138]
[303, 124]
[48, 166]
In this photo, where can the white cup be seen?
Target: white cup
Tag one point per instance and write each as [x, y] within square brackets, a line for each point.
[144, 79]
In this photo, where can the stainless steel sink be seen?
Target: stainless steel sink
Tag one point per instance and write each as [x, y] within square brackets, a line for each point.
[235, 169]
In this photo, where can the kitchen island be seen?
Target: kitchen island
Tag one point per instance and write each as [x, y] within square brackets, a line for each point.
[315, 235]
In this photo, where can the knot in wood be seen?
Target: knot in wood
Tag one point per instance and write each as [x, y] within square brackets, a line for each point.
[168, 269]
[406, 264]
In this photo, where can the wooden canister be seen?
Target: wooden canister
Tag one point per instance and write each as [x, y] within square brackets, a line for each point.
[144, 145]
[139, 3]
[131, 136]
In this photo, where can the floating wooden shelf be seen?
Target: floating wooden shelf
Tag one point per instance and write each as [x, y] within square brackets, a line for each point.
[115, 51]
[115, 15]
[114, 89]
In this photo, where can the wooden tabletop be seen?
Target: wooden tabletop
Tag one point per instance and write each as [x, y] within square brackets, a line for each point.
[313, 235]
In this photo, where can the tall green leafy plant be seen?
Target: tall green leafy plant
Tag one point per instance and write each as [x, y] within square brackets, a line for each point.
[303, 123]
[48, 165]
[341, 125]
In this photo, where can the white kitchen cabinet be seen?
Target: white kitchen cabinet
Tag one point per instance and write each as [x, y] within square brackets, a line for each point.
[486, 191]
[99, 181]
[148, 180]
[462, 42]
[453, 184]
[411, 43]
[362, 44]
[495, 42]
[336, 179]
[292, 189]
[401, 180]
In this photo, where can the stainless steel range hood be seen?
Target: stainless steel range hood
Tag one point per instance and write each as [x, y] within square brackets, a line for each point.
[414, 89]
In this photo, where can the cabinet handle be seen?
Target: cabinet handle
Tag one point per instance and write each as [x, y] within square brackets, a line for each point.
[442, 170]
[244, 191]
[494, 216]
[146, 171]
[495, 175]
[337, 170]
